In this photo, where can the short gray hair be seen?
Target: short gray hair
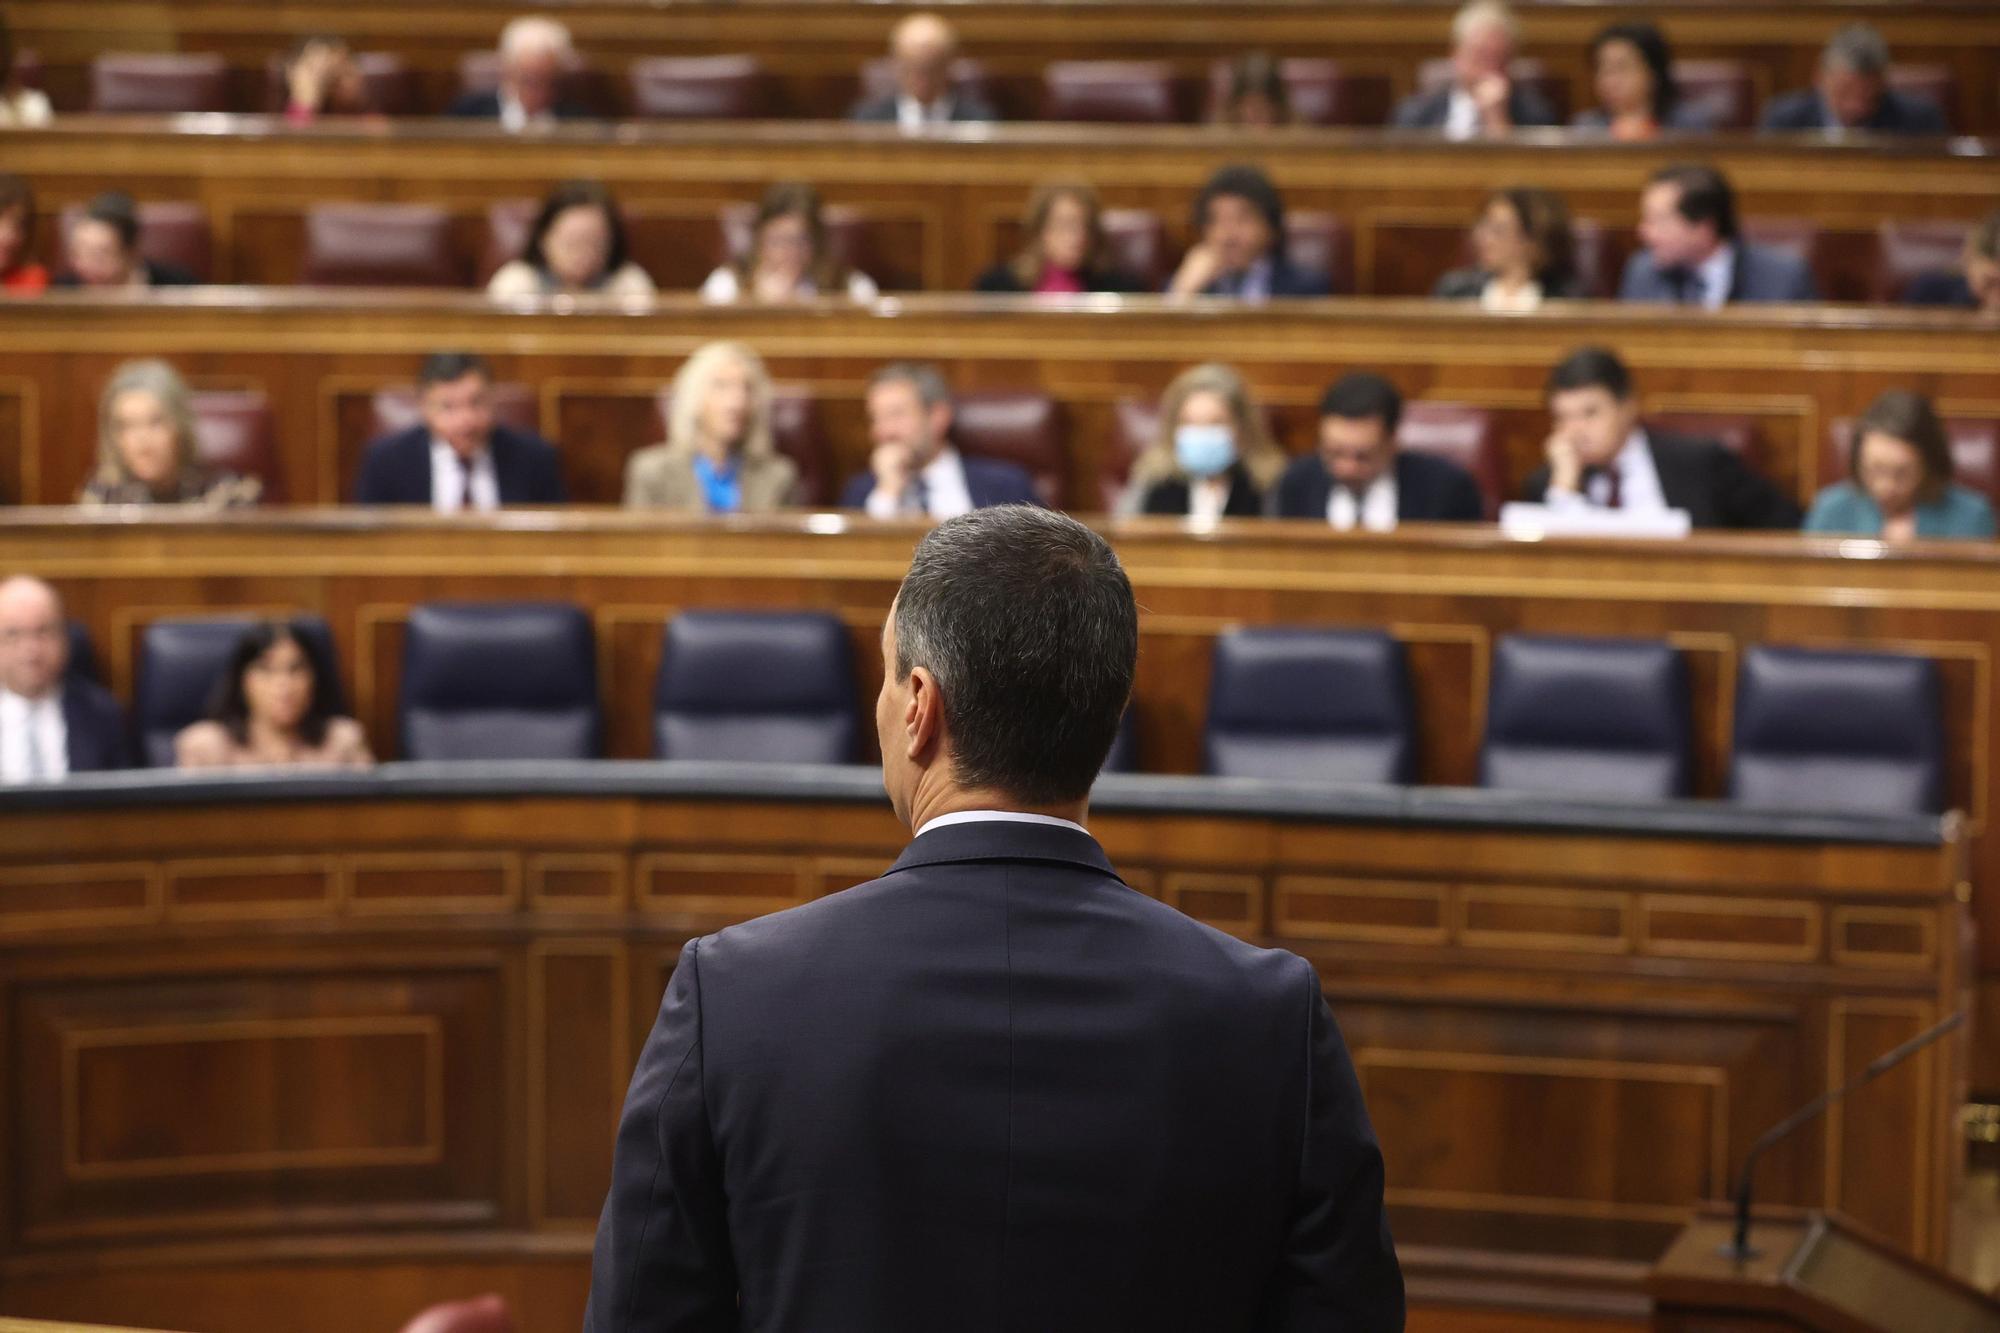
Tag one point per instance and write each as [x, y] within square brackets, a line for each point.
[1485, 13]
[533, 33]
[1856, 47]
[926, 379]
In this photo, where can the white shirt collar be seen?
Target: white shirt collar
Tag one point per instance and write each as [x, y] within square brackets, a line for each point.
[914, 115]
[19, 716]
[447, 479]
[998, 817]
[1461, 115]
[1376, 511]
[1718, 275]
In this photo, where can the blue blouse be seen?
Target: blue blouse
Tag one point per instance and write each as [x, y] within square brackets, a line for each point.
[1957, 513]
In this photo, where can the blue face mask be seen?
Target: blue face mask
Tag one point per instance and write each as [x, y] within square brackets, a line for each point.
[1204, 451]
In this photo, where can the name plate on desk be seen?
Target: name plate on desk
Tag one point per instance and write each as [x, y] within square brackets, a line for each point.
[1530, 522]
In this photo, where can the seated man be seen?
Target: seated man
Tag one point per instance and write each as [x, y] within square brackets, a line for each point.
[1691, 252]
[1976, 284]
[1852, 92]
[922, 49]
[459, 457]
[914, 470]
[1600, 457]
[1240, 217]
[103, 250]
[52, 724]
[1358, 478]
[1482, 99]
[534, 53]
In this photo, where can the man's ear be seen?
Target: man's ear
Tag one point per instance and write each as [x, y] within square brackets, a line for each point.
[923, 716]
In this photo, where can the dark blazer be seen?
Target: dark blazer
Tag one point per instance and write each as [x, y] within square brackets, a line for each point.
[1466, 284]
[1703, 477]
[486, 106]
[1170, 495]
[1001, 278]
[1941, 288]
[1287, 280]
[98, 738]
[995, 1089]
[1428, 490]
[1427, 111]
[1897, 113]
[992, 481]
[157, 275]
[396, 470]
[1762, 274]
[963, 106]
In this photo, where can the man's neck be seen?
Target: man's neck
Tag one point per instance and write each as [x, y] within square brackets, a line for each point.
[49, 691]
[926, 806]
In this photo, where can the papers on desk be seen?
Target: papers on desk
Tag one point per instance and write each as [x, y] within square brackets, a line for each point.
[1533, 522]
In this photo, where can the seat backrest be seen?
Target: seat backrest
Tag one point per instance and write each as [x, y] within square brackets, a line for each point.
[1020, 426]
[795, 429]
[1720, 89]
[380, 245]
[171, 231]
[159, 83]
[580, 82]
[1137, 240]
[499, 681]
[481, 1314]
[1110, 92]
[699, 88]
[1595, 257]
[1838, 731]
[968, 78]
[1934, 83]
[233, 431]
[181, 663]
[757, 687]
[397, 409]
[1316, 706]
[1319, 91]
[1975, 452]
[389, 87]
[847, 238]
[1735, 432]
[1799, 237]
[1587, 718]
[1907, 251]
[1322, 241]
[1460, 434]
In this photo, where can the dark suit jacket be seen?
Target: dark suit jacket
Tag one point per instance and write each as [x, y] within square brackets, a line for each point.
[1000, 278]
[1428, 490]
[1681, 115]
[992, 481]
[1946, 289]
[98, 738]
[1427, 111]
[1762, 274]
[486, 106]
[1287, 280]
[157, 275]
[396, 470]
[995, 1089]
[1170, 495]
[1466, 284]
[1703, 477]
[1897, 113]
[882, 110]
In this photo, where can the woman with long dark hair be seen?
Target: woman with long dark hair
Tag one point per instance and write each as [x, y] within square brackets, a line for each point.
[575, 247]
[273, 706]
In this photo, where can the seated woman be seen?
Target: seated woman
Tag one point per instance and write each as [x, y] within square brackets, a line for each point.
[1901, 487]
[719, 457]
[576, 247]
[1634, 80]
[788, 258]
[322, 79]
[1066, 252]
[272, 707]
[1257, 98]
[1976, 283]
[1211, 457]
[1523, 245]
[146, 452]
[20, 275]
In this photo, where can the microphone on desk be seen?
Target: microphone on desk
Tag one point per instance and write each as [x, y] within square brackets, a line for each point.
[1739, 1247]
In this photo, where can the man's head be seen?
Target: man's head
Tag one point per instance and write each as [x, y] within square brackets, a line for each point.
[923, 47]
[1591, 403]
[34, 642]
[1007, 662]
[910, 404]
[1357, 429]
[1853, 71]
[1982, 263]
[1240, 215]
[534, 51]
[104, 241]
[1685, 214]
[1484, 35]
[455, 392]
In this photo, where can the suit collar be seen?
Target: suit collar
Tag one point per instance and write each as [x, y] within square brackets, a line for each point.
[1004, 841]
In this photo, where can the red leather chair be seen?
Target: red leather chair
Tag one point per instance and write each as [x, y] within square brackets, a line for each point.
[795, 429]
[1322, 241]
[481, 1314]
[1935, 82]
[1531, 74]
[171, 231]
[388, 86]
[1110, 92]
[1019, 426]
[700, 88]
[1798, 236]
[846, 234]
[380, 245]
[580, 82]
[1320, 91]
[159, 84]
[508, 222]
[1975, 453]
[1460, 434]
[30, 70]
[878, 79]
[233, 431]
[1907, 251]
[1595, 257]
[1719, 87]
[395, 409]
[1137, 240]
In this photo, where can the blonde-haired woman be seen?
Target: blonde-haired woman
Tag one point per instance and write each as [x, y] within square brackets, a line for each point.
[146, 452]
[719, 457]
[1211, 456]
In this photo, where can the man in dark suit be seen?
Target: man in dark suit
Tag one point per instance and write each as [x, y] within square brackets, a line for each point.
[1692, 252]
[52, 723]
[1600, 457]
[915, 469]
[102, 250]
[1239, 217]
[1482, 98]
[995, 1089]
[922, 49]
[1358, 478]
[1852, 92]
[459, 458]
[534, 54]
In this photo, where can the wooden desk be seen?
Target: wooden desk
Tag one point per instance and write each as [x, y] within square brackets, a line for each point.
[1569, 1021]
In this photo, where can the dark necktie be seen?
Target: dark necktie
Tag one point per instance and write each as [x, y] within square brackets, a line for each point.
[1686, 285]
[1612, 497]
[464, 482]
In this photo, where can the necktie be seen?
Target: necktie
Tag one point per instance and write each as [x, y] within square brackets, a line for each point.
[38, 768]
[1610, 477]
[1687, 286]
[464, 482]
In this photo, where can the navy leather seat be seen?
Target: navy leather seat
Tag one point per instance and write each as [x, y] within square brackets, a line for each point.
[181, 663]
[500, 681]
[760, 687]
[1587, 717]
[1310, 705]
[1822, 730]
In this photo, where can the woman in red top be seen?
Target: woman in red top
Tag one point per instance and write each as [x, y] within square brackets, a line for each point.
[20, 275]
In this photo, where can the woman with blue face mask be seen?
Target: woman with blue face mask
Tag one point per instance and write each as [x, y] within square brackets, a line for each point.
[1211, 455]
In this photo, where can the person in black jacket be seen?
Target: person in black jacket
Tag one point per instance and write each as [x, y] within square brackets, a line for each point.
[458, 458]
[535, 52]
[1211, 456]
[1975, 284]
[1066, 251]
[1601, 457]
[922, 49]
[1852, 92]
[1239, 217]
[103, 249]
[1358, 478]
[53, 722]
[1525, 250]
[995, 1089]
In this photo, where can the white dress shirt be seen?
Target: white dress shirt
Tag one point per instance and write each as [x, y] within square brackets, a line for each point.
[946, 492]
[34, 740]
[514, 117]
[914, 115]
[1208, 497]
[1718, 275]
[1376, 511]
[999, 817]
[1461, 116]
[724, 287]
[448, 480]
[1639, 489]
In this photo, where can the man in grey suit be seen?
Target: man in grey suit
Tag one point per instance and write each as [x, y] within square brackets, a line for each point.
[1482, 99]
[1692, 252]
[922, 49]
